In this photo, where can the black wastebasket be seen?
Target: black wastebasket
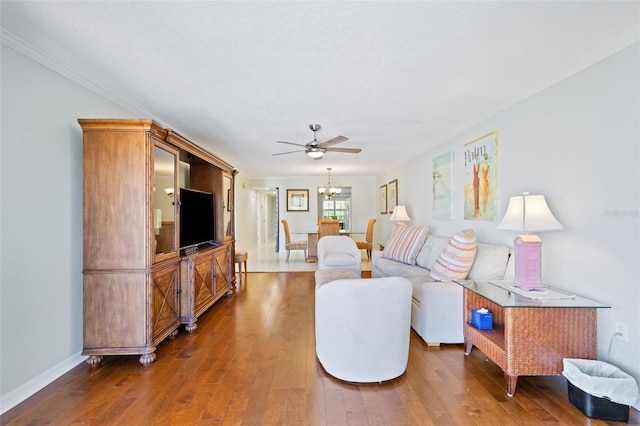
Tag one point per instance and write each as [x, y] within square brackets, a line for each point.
[600, 390]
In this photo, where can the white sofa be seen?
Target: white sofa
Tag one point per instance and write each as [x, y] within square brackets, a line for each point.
[362, 328]
[436, 310]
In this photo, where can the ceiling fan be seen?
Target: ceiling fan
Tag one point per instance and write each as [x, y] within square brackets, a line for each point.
[315, 149]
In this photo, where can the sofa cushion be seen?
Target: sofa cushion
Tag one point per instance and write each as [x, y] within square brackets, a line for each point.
[405, 243]
[490, 262]
[339, 259]
[510, 272]
[431, 249]
[391, 268]
[455, 261]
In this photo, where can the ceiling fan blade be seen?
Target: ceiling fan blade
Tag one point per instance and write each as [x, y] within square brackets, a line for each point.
[333, 141]
[350, 150]
[289, 152]
[291, 143]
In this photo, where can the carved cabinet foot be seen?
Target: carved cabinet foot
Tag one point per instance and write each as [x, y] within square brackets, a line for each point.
[94, 360]
[190, 327]
[147, 359]
[173, 334]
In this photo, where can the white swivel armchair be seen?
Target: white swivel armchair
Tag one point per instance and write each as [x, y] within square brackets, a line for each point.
[338, 252]
[363, 328]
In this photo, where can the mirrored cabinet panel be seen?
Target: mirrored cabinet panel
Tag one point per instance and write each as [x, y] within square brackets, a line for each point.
[227, 192]
[164, 201]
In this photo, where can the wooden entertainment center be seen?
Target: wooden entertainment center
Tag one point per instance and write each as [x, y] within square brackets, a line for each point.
[138, 286]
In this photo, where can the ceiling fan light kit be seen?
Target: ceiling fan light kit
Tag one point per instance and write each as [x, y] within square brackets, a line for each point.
[315, 149]
[315, 153]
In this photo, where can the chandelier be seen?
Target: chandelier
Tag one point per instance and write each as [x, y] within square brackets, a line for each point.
[329, 191]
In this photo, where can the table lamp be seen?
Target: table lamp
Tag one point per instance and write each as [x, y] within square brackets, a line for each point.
[400, 215]
[528, 213]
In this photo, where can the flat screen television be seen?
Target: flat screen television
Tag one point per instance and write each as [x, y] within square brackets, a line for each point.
[197, 216]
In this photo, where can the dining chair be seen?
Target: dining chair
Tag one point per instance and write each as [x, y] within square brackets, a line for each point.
[328, 227]
[367, 244]
[292, 245]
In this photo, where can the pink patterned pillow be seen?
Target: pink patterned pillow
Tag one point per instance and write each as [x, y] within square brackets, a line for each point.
[405, 243]
[455, 261]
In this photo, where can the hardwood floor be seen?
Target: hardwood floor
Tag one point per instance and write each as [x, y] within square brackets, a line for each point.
[251, 361]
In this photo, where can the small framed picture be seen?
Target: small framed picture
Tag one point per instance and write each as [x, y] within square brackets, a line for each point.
[442, 186]
[383, 199]
[393, 195]
[297, 200]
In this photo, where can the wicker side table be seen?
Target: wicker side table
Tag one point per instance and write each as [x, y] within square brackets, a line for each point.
[530, 337]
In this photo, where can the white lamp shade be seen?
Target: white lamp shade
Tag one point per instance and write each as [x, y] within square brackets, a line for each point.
[399, 214]
[529, 213]
[322, 190]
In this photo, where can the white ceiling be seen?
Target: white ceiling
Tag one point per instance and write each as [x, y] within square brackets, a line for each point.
[396, 78]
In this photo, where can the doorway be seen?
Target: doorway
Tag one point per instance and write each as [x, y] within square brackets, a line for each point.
[268, 217]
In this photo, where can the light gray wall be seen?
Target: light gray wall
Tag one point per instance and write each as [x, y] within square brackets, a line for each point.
[246, 211]
[41, 222]
[578, 143]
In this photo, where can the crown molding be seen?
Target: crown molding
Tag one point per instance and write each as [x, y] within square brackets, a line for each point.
[21, 46]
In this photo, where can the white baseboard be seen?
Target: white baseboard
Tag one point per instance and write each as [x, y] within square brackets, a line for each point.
[28, 389]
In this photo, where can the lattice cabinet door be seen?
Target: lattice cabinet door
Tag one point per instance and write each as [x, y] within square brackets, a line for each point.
[222, 272]
[165, 302]
[196, 284]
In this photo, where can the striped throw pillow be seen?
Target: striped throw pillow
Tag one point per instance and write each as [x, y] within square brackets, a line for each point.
[455, 261]
[405, 243]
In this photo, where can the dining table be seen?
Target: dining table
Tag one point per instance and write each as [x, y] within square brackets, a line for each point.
[312, 243]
